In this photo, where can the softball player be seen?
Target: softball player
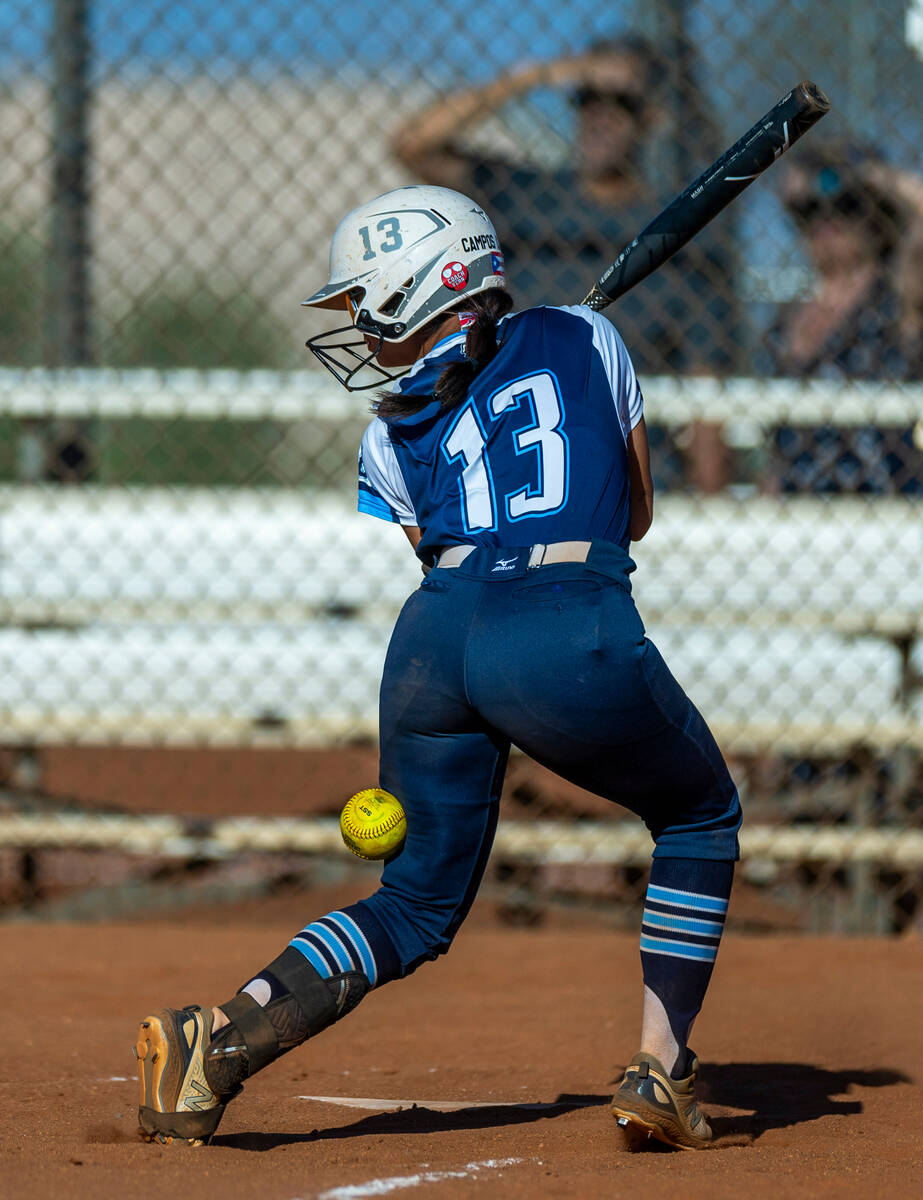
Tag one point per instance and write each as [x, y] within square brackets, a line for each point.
[512, 450]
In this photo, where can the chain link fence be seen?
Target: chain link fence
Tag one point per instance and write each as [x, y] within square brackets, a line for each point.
[193, 617]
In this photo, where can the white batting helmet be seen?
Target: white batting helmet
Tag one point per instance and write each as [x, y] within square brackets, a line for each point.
[400, 260]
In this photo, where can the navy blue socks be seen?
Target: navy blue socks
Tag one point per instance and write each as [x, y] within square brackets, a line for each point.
[684, 913]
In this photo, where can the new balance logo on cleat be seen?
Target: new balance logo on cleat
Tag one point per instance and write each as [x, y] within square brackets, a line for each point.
[204, 1098]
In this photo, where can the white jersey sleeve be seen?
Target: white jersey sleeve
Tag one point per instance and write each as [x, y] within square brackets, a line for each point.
[382, 491]
[620, 371]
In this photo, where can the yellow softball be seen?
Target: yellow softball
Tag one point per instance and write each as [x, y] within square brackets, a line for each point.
[373, 824]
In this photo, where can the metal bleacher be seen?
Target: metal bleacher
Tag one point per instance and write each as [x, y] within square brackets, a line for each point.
[154, 615]
[185, 614]
[259, 617]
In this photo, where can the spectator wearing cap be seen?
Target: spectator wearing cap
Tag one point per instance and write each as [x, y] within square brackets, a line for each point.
[849, 327]
[559, 227]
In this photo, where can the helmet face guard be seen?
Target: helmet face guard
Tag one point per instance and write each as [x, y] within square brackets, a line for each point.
[339, 351]
[395, 264]
[345, 352]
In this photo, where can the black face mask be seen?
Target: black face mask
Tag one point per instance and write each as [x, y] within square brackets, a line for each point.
[345, 353]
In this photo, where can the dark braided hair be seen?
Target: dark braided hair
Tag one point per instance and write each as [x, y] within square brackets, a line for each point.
[453, 384]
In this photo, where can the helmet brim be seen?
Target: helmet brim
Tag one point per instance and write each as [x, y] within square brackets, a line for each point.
[329, 297]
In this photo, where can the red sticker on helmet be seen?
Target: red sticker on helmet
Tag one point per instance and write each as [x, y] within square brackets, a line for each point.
[455, 276]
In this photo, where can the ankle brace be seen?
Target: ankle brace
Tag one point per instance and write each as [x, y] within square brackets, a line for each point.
[257, 1036]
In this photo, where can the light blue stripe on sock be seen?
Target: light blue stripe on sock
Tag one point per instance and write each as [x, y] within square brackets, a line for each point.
[334, 945]
[683, 924]
[313, 957]
[686, 899]
[678, 949]
[357, 938]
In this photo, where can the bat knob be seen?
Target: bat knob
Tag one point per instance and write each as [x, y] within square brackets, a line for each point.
[815, 95]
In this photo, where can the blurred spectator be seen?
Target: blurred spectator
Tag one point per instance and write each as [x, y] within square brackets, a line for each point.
[909, 273]
[560, 227]
[853, 326]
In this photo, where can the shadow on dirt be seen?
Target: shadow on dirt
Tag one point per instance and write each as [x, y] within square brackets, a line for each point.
[777, 1095]
[768, 1095]
[419, 1120]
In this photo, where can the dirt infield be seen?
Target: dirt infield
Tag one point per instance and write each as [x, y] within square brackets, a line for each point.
[812, 1052]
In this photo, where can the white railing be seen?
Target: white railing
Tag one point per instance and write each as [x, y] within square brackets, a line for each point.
[541, 841]
[36, 392]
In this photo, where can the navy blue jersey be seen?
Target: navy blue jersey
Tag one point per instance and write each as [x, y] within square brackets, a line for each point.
[536, 453]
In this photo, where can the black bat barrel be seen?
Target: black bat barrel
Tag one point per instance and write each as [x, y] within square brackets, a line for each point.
[715, 188]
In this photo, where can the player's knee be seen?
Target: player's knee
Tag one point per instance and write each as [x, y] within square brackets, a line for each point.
[703, 832]
[427, 935]
[434, 936]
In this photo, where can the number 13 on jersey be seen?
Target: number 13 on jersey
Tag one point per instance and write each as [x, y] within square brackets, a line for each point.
[540, 444]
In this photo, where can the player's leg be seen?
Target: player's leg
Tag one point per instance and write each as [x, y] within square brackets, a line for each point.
[676, 779]
[587, 695]
[193, 1061]
[683, 921]
[447, 768]
[445, 763]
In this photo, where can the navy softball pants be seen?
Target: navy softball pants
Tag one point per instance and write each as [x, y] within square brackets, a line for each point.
[554, 660]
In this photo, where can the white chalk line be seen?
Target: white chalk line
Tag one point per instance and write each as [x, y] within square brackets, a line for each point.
[371, 1104]
[396, 1183]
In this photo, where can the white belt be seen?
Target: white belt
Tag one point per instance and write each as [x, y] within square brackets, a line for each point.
[540, 555]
